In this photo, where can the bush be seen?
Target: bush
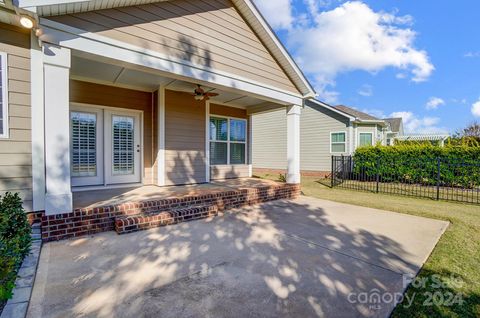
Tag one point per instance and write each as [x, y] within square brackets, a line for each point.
[459, 165]
[15, 241]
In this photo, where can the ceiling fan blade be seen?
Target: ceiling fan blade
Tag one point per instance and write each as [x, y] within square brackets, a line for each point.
[212, 94]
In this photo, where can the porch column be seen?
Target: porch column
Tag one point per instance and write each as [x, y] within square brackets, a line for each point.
[56, 69]
[293, 144]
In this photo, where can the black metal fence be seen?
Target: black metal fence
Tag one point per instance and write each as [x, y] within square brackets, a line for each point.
[435, 179]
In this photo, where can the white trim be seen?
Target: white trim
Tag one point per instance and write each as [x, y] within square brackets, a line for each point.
[279, 46]
[330, 108]
[345, 142]
[161, 136]
[250, 146]
[77, 39]
[207, 141]
[38, 125]
[355, 132]
[228, 141]
[108, 83]
[366, 132]
[5, 133]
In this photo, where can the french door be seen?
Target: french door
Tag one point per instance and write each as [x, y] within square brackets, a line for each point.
[105, 146]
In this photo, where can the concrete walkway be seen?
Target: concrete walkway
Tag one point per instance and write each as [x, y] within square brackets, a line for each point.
[302, 258]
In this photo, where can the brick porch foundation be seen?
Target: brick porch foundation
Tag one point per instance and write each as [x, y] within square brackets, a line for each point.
[100, 219]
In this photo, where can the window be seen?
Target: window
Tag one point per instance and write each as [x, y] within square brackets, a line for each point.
[228, 141]
[338, 142]
[84, 140]
[366, 139]
[3, 96]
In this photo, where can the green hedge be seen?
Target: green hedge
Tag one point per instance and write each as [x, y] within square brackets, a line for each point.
[459, 165]
[15, 241]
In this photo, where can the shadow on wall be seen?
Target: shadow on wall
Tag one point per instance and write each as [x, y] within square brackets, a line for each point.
[247, 262]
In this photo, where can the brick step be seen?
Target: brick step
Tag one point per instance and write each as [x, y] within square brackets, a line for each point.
[133, 223]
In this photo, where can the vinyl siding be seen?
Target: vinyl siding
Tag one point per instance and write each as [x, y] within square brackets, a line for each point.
[16, 150]
[269, 137]
[103, 95]
[184, 139]
[208, 33]
[222, 172]
[316, 124]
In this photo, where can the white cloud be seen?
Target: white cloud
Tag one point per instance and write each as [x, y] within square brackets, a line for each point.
[434, 103]
[419, 125]
[366, 90]
[476, 109]
[472, 54]
[347, 38]
[278, 13]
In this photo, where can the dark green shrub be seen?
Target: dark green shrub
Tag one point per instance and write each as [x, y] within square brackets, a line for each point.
[459, 165]
[15, 240]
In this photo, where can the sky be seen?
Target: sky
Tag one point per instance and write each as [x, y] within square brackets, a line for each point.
[419, 60]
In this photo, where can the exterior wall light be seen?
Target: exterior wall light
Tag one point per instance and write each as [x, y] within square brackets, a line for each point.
[26, 22]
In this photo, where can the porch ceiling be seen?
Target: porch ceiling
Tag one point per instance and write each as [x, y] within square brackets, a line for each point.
[101, 72]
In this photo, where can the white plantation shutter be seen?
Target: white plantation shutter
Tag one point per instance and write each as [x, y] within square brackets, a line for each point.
[84, 148]
[123, 145]
[3, 96]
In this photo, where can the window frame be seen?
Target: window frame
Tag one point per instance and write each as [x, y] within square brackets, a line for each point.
[344, 142]
[4, 65]
[365, 133]
[228, 141]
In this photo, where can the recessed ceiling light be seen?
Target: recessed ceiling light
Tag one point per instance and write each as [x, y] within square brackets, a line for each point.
[26, 22]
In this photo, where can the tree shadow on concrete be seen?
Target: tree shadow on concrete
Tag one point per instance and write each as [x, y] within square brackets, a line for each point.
[283, 259]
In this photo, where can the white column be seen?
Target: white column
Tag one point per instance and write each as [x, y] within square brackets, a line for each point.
[38, 125]
[207, 141]
[293, 144]
[56, 69]
[250, 145]
[161, 136]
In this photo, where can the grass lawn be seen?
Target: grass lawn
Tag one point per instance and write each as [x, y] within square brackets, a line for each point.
[457, 254]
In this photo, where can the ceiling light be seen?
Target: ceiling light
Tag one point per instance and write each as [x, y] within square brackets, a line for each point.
[199, 97]
[26, 22]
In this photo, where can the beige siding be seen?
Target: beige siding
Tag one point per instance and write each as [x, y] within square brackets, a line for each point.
[209, 33]
[184, 139]
[269, 137]
[16, 151]
[229, 172]
[316, 125]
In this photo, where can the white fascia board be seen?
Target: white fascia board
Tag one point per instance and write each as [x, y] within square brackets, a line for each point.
[36, 3]
[77, 39]
[333, 109]
[241, 5]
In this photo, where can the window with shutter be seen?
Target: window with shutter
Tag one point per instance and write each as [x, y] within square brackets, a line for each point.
[228, 141]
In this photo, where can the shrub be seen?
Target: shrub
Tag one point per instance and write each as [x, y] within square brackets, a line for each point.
[459, 165]
[15, 240]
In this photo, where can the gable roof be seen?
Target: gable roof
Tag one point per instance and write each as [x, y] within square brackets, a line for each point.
[395, 124]
[245, 7]
[355, 113]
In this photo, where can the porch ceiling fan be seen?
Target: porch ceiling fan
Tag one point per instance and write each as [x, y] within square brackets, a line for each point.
[199, 94]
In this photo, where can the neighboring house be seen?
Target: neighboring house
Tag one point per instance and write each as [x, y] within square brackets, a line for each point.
[104, 94]
[325, 131]
[394, 130]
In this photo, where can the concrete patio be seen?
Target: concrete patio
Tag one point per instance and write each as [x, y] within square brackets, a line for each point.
[301, 258]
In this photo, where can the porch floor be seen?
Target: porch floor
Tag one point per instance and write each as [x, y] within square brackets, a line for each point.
[107, 197]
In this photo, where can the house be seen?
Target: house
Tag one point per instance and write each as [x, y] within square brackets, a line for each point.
[100, 95]
[394, 130]
[325, 131]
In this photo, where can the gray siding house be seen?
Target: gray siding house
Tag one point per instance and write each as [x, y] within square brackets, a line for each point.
[324, 131]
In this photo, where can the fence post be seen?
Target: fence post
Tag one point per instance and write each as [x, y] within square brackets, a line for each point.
[333, 172]
[438, 178]
[378, 174]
